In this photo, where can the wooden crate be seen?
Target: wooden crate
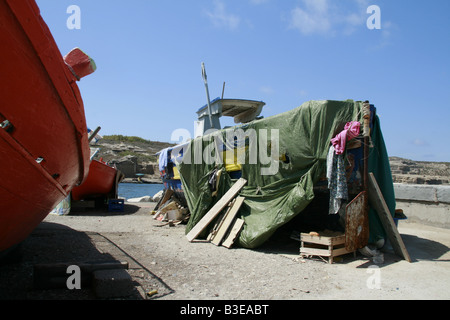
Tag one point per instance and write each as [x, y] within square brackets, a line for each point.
[322, 246]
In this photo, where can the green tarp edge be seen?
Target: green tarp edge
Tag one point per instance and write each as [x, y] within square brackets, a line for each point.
[380, 167]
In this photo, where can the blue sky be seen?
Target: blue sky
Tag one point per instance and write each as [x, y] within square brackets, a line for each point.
[286, 52]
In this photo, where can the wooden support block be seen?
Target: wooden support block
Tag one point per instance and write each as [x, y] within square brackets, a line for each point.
[377, 201]
[227, 221]
[232, 235]
[216, 209]
[112, 283]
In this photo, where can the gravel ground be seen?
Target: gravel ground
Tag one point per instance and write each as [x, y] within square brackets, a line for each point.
[160, 258]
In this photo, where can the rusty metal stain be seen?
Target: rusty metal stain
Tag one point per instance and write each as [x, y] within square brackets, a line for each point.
[357, 223]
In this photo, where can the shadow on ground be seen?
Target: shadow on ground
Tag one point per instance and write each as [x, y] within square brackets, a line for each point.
[52, 243]
[102, 211]
[424, 249]
[418, 249]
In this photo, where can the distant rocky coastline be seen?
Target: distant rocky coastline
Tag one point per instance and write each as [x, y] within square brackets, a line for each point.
[419, 172]
[137, 159]
[143, 180]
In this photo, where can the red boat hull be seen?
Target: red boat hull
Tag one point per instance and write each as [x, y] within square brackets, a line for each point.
[44, 148]
[99, 182]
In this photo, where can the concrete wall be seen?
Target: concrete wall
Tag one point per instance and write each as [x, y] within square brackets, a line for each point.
[427, 204]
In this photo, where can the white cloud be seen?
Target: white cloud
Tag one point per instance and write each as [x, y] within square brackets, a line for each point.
[221, 18]
[267, 90]
[258, 1]
[320, 6]
[420, 143]
[328, 17]
[313, 18]
[385, 39]
[303, 93]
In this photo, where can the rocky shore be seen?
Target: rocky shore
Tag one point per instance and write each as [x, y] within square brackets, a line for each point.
[151, 180]
[419, 172]
[135, 157]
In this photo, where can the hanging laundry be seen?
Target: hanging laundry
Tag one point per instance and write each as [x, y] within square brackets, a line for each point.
[351, 130]
[337, 180]
[163, 159]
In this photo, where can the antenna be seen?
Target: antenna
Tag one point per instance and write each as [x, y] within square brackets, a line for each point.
[205, 79]
[223, 89]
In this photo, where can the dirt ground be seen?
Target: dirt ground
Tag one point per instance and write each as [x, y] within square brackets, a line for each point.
[160, 258]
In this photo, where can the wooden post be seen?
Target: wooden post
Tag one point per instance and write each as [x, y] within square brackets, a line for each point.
[94, 133]
[366, 133]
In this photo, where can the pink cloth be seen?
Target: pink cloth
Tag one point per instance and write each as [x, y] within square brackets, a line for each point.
[351, 130]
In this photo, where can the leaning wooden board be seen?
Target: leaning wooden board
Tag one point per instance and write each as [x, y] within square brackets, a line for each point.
[227, 221]
[231, 237]
[377, 201]
[216, 209]
[219, 223]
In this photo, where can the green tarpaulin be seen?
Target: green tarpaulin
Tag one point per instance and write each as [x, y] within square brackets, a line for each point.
[274, 196]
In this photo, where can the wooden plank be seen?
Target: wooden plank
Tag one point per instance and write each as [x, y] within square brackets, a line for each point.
[324, 252]
[216, 209]
[166, 196]
[337, 240]
[324, 240]
[214, 230]
[235, 230]
[315, 239]
[228, 219]
[339, 252]
[377, 201]
[315, 252]
[172, 205]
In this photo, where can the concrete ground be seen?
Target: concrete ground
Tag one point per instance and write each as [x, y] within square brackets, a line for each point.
[164, 266]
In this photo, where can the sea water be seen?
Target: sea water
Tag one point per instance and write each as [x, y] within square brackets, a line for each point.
[138, 190]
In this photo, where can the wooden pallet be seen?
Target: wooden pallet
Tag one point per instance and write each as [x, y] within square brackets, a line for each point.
[323, 246]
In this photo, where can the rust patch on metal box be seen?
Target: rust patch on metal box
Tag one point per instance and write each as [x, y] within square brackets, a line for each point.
[357, 223]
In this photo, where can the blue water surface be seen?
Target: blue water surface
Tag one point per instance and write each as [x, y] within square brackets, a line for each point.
[137, 190]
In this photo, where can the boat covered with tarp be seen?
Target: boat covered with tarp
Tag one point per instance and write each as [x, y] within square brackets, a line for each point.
[301, 166]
